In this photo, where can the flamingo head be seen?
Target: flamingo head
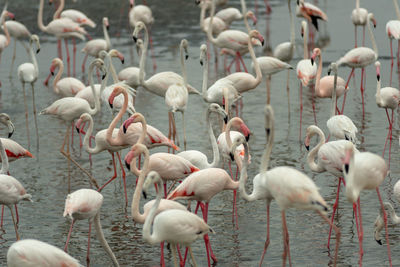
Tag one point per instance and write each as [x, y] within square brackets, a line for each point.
[203, 54]
[310, 132]
[131, 3]
[135, 151]
[137, 117]
[116, 92]
[372, 18]
[151, 178]
[378, 70]
[35, 39]
[54, 64]
[105, 23]
[303, 28]
[332, 67]
[269, 119]
[257, 35]
[138, 27]
[116, 53]
[241, 126]
[236, 142]
[316, 52]
[184, 45]
[8, 14]
[250, 15]
[348, 154]
[214, 107]
[83, 118]
[139, 45]
[5, 119]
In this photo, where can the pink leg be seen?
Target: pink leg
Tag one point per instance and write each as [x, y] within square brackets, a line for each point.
[165, 190]
[68, 58]
[267, 240]
[334, 210]
[152, 53]
[46, 82]
[59, 49]
[386, 227]
[363, 44]
[361, 233]
[286, 247]
[2, 214]
[348, 80]
[344, 101]
[237, 64]
[234, 209]
[88, 245]
[16, 213]
[115, 173]
[230, 65]
[313, 105]
[162, 260]
[204, 208]
[123, 178]
[84, 63]
[69, 236]
[392, 62]
[362, 91]
[74, 51]
[241, 60]
[301, 107]
[355, 36]
[268, 8]
[72, 134]
[388, 135]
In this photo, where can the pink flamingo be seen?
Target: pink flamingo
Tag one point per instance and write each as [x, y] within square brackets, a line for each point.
[93, 47]
[361, 57]
[306, 70]
[165, 204]
[198, 158]
[387, 98]
[359, 17]
[131, 74]
[175, 226]
[85, 204]
[102, 145]
[157, 84]
[364, 171]
[130, 132]
[4, 39]
[393, 32]
[310, 12]
[67, 86]
[28, 252]
[144, 14]
[289, 187]
[340, 126]
[70, 108]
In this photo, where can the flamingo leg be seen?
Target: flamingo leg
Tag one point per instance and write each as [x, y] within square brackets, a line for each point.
[267, 241]
[386, 226]
[268, 84]
[348, 79]
[26, 116]
[313, 105]
[84, 63]
[241, 60]
[335, 206]
[152, 52]
[286, 247]
[169, 128]
[360, 225]
[338, 234]
[174, 132]
[162, 260]
[192, 256]
[180, 255]
[390, 138]
[387, 136]
[88, 245]
[210, 253]
[123, 177]
[72, 134]
[16, 213]
[268, 8]
[301, 107]
[115, 173]
[74, 51]
[230, 65]
[2, 214]
[363, 43]
[362, 91]
[392, 61]
[287, 91]
[68, 58]
[13, 57]
[173, 247]
[35, 115]
[355, 209]
[355, 36]
[184, 130]
[15, 224]
[69, 236]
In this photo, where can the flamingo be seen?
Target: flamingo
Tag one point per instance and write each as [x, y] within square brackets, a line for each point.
[176, 98]
[131, 74]
[306, 70]
[143, 14]
[288, 186]
[102, 145]
[379, 223]
[387, 98]
[330, 159]
[364, 171]
[70, 108]
[157, 84]
[310, 12]
[284, 51]
[61, 28]
[32, 252]
[85, 204]
[359, 17]
[340, 126]
[4, 39]
[175, 226]
[28, 73]
[67, 86]
[165, 204]
[93, 47]
[128, 134]
[393, 32]
[198, 158]
[361, 57]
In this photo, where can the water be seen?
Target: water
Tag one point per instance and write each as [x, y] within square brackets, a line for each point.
[45, 176]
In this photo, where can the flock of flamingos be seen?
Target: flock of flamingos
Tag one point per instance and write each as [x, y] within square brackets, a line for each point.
[183, 174]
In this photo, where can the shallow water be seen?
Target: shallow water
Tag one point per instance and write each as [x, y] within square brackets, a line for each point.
[45, 176]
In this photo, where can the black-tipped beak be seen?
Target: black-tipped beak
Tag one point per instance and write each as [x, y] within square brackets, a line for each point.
[307, 147]
[312, 61]
[378, 77]
[197, 2]
[77, 129]
[267, 131]
[201, 62]
[37, 51]
[134, 38]
[232, 156]
[262, 43]
[374, 26]
[127, 165]
[226, 119]
[52, 73]
[108, 27]
[302, 35]
[123, 61]
[186, 57]
[346, 167]
[111, 105]
[329, 72]
[124, 128]
[247, 138]
[254, 23]
[144, 194]
[379, 242]
[10, 134]
[103, 77]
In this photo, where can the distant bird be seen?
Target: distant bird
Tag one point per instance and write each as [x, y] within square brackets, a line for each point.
[359, 17]
[32, 252]
[175, 226]
[393, 32]
[4, 39]
[85, 204]
[364, 171]
[310, 12]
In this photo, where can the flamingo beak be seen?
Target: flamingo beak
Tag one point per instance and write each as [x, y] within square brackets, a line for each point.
[144, 194]
[232, 156]
[201, 62]
[226, 119]
[134, 39]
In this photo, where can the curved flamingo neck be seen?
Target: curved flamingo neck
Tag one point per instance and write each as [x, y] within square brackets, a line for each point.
[33, 58]
[371, 35]
[142, 64]
[106, 36]
[136, 215]
[268, 148]
[205, 78]
[215, 162]
[58, 76]
[378, 97]
[3, 22]
[319, 73]
[244, 176]
[352, 191]
[246, 23]
[202, 14]
[40, 17]
[396, 6]
[357, 4]
[96, 98]
[111, 68]
[392, 213]
[238, 161]
[244, 6]
[225, 93]
[183, 68]
[4, 159]
[257, 68]
[89, 132]
[209, 31]
[117, 141]
[305, 49]
[333, 99]
[59, 9]
[316, 167]
[292, 34]
[103, 242]
[144, 131]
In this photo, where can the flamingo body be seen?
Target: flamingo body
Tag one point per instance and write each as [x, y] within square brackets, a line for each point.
[306, 71]
[27, 73]
[17, 29]
[131, 76]
[160, 82]
[69, 86]
[359, 57]
[359, 16]
[78, 17]
[14, 150]
[67, 108]
[228, 15]
[393, 29]
[140, 13]
[271, 65]
[389, 98]
[342, 127]
[326, 87]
